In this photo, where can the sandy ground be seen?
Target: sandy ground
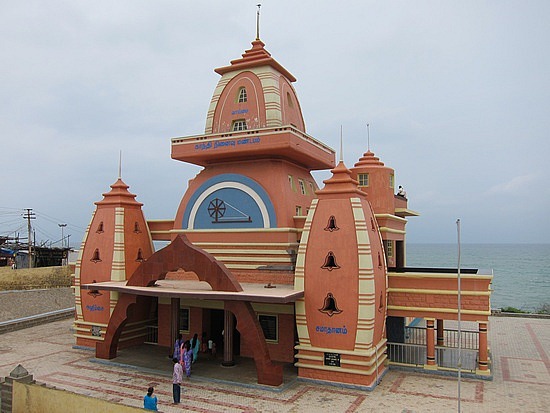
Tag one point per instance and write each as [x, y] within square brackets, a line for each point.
[24, 303]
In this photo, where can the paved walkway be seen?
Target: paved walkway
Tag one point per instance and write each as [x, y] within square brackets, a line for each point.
[521, 367]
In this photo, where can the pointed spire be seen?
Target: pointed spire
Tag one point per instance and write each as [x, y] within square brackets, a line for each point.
[368, 158]
[368, 138]
[341, 143]
[341, 182]
[119, 195]
[120, 165]
[258, 22]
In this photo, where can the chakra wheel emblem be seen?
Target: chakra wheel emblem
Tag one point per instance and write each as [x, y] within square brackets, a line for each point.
[216, 209]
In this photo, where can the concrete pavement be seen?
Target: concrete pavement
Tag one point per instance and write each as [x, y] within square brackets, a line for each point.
[521, 368]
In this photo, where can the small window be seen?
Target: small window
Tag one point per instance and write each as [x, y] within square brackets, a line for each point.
[100, 227]
[270, 326]
[184, 320]
[238, 125]
[289, 100]
[291, 181]
[392, 181]
[241, 96]
[298, 210]
[137, 230]
[302, 187]
[363, 179]
[311, 187]
[139, 255]
[389, 248]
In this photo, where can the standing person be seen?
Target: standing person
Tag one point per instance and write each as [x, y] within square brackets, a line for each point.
[150, 401]
[177, 378]
[204, 348]
[401, 192]
[187, 356]
[195, 346]
[177, 347]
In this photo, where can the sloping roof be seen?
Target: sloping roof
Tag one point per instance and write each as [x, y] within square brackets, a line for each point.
[257, 293]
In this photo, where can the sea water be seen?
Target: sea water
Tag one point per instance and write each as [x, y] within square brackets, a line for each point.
[521, 272]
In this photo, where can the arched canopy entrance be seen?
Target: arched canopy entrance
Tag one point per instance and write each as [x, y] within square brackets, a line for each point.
[181, 254]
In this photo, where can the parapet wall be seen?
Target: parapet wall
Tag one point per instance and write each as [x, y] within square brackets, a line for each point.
[39, 398]
[435, 295]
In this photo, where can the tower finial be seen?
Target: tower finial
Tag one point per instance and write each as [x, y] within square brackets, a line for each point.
[368, 137]
[120, 165]
[341, 144]
[258, 21]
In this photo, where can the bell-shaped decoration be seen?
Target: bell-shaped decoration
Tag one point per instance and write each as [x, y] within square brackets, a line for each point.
[330, 262]
[330, 307]
[331, 226]
[94, 293]
[95, 257]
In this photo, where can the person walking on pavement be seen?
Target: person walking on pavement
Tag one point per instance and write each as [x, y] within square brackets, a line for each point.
[177, 378]
[195, 347]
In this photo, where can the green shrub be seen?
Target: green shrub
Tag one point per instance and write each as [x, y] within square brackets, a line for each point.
[512, 310]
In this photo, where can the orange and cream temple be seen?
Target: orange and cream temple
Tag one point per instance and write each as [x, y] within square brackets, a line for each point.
[267, 265]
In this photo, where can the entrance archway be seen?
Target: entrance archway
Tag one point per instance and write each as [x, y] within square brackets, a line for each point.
[181, 254]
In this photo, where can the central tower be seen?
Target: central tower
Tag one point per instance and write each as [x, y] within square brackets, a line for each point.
[256, 184]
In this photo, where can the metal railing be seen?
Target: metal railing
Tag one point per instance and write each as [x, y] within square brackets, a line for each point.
[409, 354]
[446, 357]
[415, 335]
[469, 339]
[152, 336]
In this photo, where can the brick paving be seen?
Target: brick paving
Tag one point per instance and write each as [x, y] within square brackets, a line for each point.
[520, 349]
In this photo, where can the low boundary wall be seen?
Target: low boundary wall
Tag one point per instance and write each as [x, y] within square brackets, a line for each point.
[25, 322]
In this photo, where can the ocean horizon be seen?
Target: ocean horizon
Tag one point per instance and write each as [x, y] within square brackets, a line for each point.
[521, 272]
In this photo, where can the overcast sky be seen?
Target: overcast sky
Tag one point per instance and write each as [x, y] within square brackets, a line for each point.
[457, 95]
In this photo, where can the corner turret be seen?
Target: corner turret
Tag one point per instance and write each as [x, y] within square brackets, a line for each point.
[116, 242]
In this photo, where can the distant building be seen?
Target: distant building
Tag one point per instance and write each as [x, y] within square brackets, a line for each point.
[7, 257]
[265, 262]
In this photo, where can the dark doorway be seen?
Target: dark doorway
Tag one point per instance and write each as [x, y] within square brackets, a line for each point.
[216, 328]
[236, 339]
[399, 254]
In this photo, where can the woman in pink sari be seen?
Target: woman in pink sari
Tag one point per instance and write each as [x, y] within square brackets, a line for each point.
[187, 357]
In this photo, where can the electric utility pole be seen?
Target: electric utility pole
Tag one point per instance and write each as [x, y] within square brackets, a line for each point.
[28, 216]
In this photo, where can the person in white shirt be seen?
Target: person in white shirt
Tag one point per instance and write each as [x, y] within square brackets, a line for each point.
[401, 192]
[177, 378]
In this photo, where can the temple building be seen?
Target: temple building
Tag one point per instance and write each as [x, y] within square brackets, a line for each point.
[266, 264]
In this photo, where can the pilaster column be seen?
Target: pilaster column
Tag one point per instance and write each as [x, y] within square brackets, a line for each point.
[174, 322]
[483, 356]
[440, 333]
[228, 339]
[430, 345]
